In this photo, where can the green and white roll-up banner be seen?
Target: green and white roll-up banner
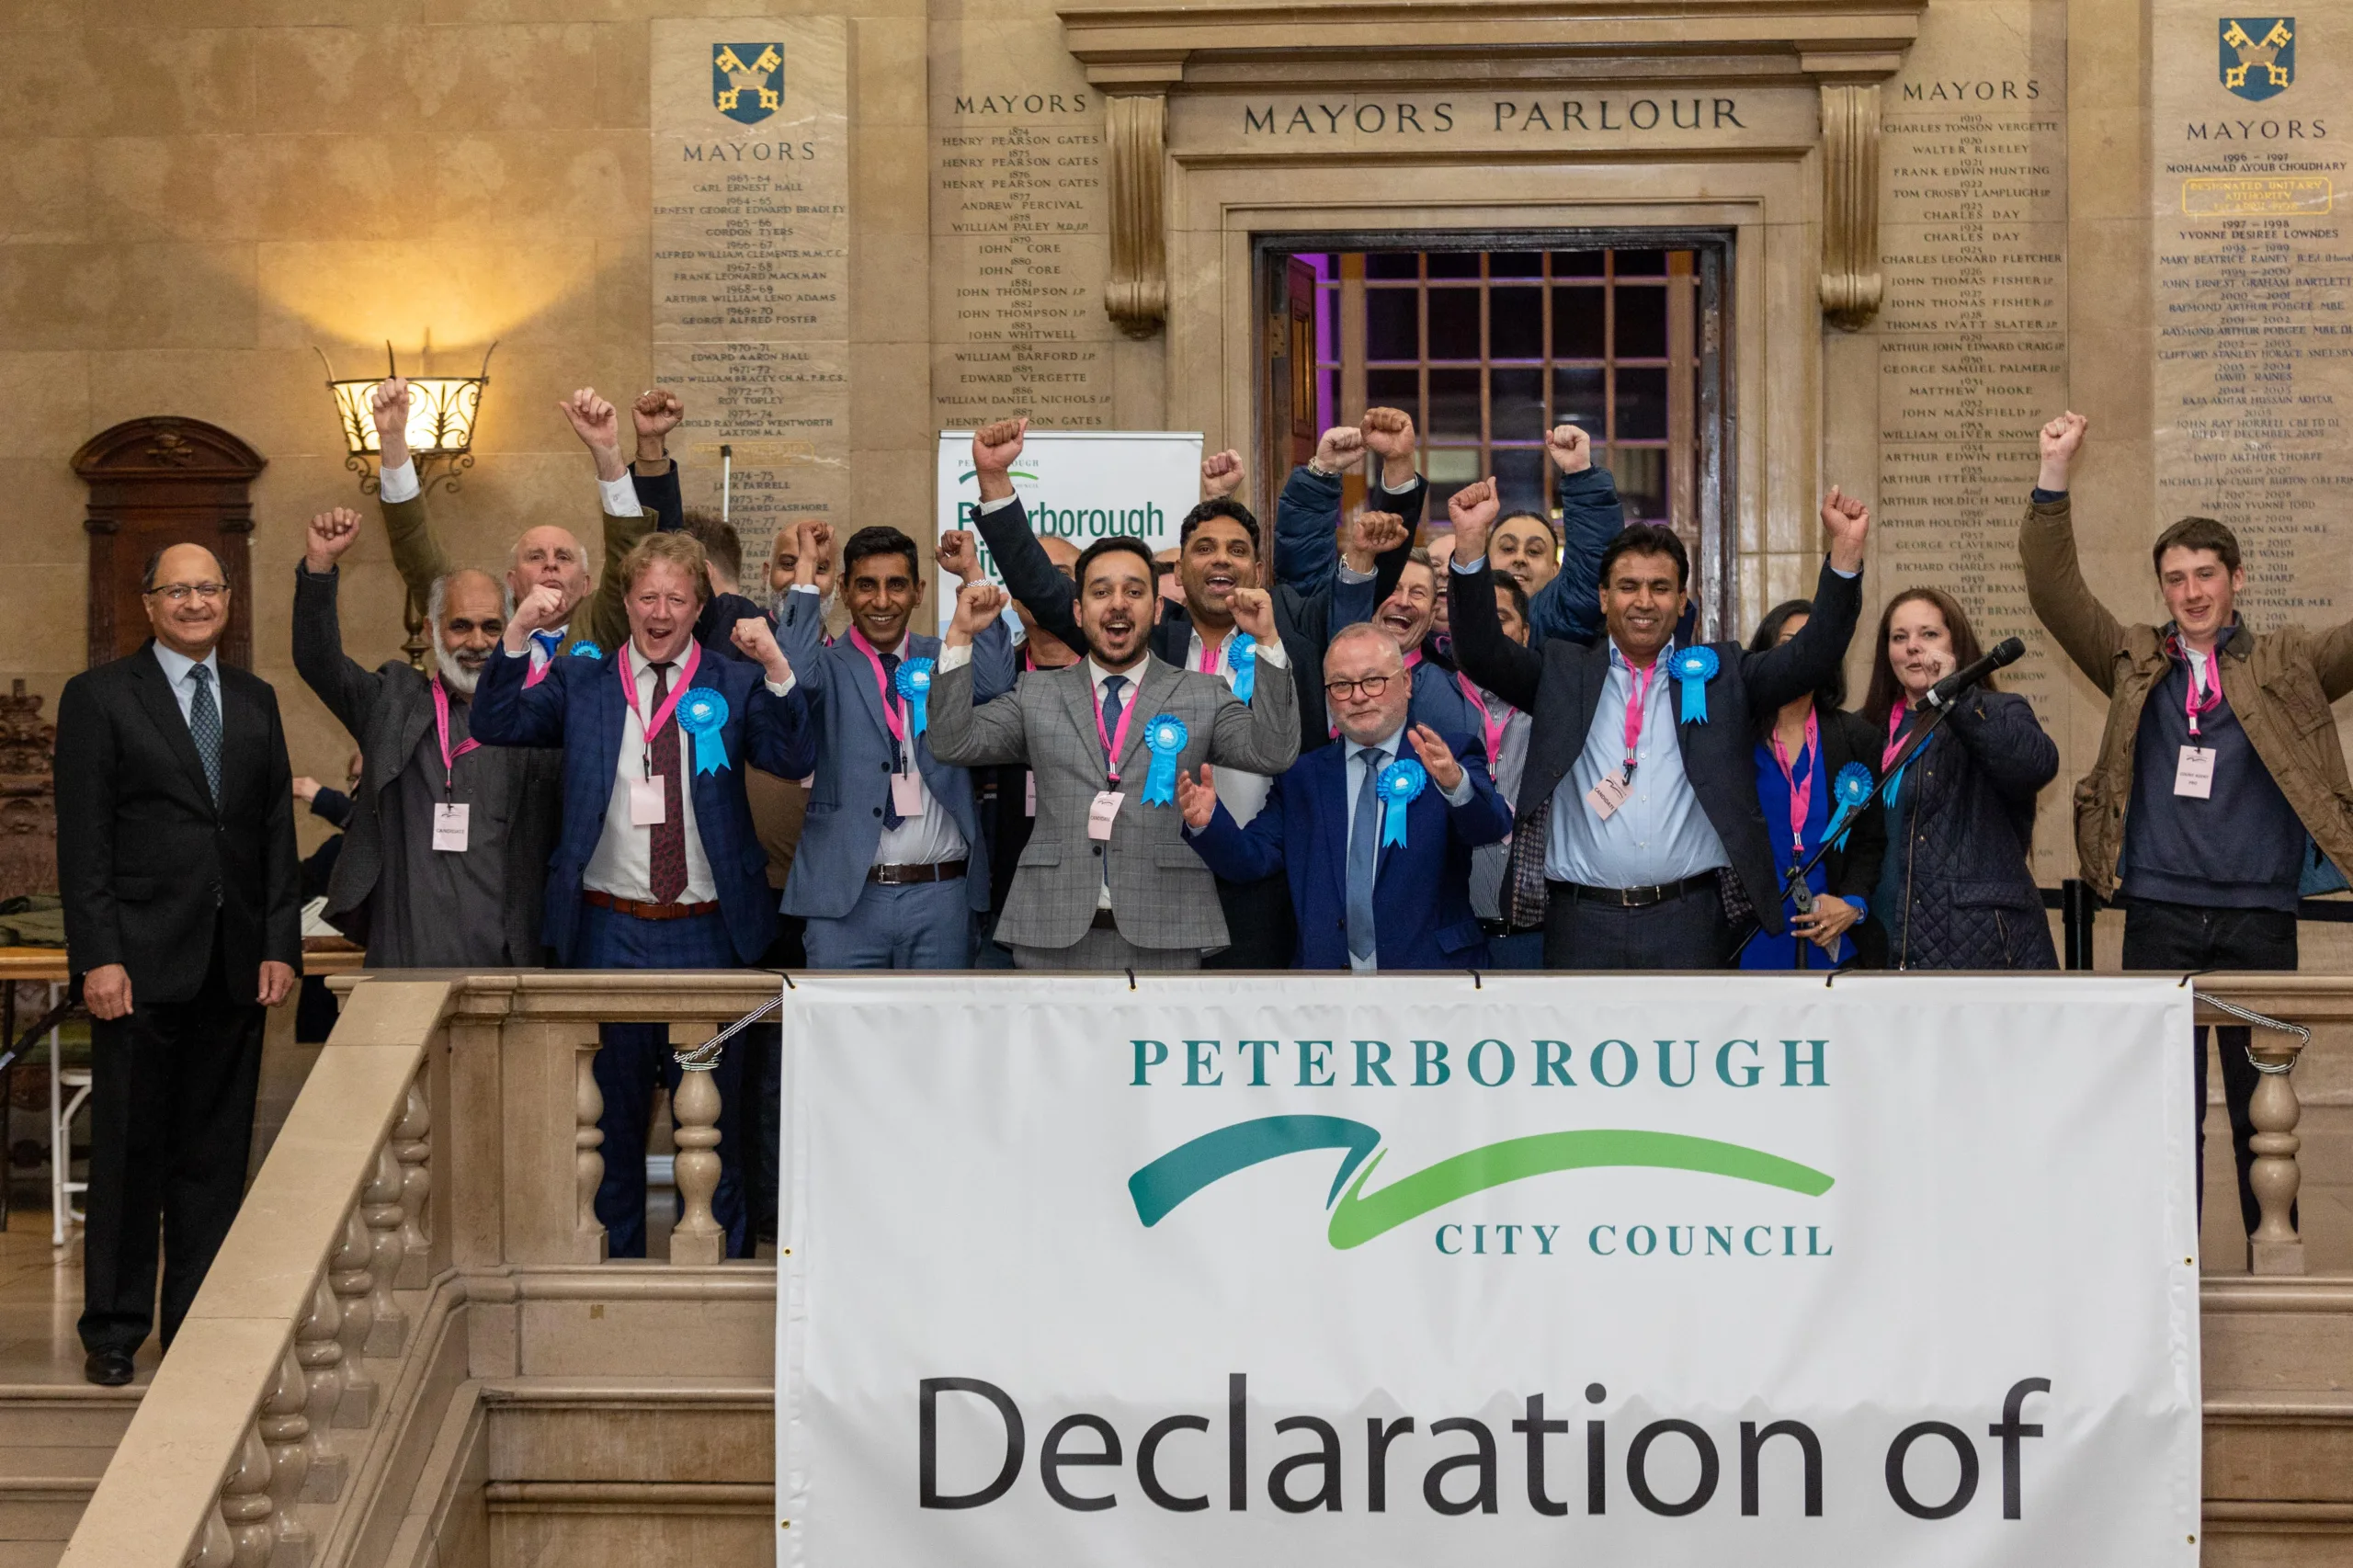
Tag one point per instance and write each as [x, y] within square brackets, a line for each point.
[1525, 1270]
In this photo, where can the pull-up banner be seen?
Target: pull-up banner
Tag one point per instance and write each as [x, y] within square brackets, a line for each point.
[1298, 1270]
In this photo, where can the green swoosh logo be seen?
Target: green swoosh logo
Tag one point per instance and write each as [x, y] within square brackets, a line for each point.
[1358, 1217]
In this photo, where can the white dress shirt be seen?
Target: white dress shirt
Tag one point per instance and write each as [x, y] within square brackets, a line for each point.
[1353, 781]
[623, 863]
[175, 669]
[1244, 795]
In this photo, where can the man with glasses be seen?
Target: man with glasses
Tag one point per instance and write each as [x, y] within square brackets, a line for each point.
[1402, 806]
[183, 922]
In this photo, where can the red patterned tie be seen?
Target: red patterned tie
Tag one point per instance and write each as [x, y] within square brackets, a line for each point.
[670, 832]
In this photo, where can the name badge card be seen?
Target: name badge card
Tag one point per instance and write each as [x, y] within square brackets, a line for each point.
[1606, 797]
[647, 807]
[2194, 775]
[1099, 812]
[906, 794]
[449, 827]
[1029, 794]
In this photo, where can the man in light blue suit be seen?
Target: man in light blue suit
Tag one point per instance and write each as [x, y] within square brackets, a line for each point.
[893, 869]
[657, 865]
[1367, 897]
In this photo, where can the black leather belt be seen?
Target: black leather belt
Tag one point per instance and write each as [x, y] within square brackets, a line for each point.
[1634, 898]
[903, 876]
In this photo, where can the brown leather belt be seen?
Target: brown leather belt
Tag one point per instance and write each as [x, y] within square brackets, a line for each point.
[1635, 898]
[904, 876]
[640, 909]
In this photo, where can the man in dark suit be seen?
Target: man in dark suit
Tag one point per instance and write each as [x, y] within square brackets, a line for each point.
[448, 839]
[658, 866]
[1640, 837]
[1367, 898]
[183, 922]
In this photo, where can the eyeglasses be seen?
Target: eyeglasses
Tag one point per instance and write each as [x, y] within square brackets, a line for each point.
[1341, 690]
[178, 592]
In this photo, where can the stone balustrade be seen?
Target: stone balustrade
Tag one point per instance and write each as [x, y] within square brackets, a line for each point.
[445, 1152]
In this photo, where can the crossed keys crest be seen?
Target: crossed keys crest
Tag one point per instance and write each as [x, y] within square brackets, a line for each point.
[761, 81]
[2270, 59]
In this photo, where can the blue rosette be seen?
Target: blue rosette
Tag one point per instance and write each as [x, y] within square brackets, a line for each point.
[1243, 657]
[702, 714]
[1400, 784]
[1694, 668]
[1164, 737]
[584, 649]
[1852, 790]
[913, 683]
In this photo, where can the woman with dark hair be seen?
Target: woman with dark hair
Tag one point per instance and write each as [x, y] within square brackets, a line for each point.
[1956, 891]
[1800, 750]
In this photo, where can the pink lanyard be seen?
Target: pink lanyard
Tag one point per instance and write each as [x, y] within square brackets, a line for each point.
[1113, 745]
[441, 722]
[1412, 658]
[1212, 658]
[1800, 793]
[2201, 700]
[1895, 717]
[1487, 722]
[539, 671]
[669, 704]
[1634, 707]
[893, 719]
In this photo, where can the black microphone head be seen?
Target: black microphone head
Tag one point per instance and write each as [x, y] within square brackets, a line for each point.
[2008, 650]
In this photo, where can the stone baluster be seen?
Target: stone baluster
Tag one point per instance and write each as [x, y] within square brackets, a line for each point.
[697, 1238]
[214, 1547]
[245, 1504]
[412, 1147]
[356, 1406]
[320, 1354]
[286, 1429]
[379, 1207]
[588, 1159]
[2275, 1248]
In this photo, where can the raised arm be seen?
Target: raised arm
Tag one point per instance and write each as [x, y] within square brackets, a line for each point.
[1262, 737]
[1808, 661]
[1029, 574]
[778, 735]
[1308, 553]
[507, 711]
[417, 556]
[965, 734]
[654, 416]
[1591, 515]
[349, 690]
[598, 424]
[2062, 600]
[1486, 655]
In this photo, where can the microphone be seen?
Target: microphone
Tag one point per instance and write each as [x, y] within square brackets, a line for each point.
[2008, 650]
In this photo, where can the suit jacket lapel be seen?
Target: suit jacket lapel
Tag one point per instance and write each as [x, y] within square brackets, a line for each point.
[1334, 760]
[163, 711]
[1078, 696]
[1154, 679]
[612, 711]
[861, 675]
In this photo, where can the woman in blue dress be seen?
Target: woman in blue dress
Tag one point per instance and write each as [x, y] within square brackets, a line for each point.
[1800, 751]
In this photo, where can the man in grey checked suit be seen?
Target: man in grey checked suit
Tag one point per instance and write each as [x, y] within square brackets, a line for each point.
[420, 884]
[1106, 881]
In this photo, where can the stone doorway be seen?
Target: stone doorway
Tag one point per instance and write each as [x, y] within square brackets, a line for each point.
[1489, 339]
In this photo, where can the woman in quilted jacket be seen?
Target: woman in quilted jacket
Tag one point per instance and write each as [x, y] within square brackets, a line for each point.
[1955, 889]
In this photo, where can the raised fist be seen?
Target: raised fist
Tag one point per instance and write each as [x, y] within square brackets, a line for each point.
[1848, 523]
[1221, 475]
[1569, 449]
[330, 534]
[757, 642]
[977, 603]
[1389, 433]
[1342, 448]
[815, 539]
[1369, 534]
[1254, 612]
[656, 414]
[2061, 439]
[959, 557]
[541, 608]
[388, 406]
[1473, 511]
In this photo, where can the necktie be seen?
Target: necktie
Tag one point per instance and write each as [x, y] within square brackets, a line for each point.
[204, 728]
[548, 641]
[1111, 706]
[669, 846]
[890, 817]
[1364, 843]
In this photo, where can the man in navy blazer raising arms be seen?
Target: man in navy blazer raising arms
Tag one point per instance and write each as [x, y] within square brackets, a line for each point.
[1370, 893]
[657, 865]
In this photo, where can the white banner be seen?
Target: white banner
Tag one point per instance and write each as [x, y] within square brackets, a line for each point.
[1081, 484]
[1402, 1270]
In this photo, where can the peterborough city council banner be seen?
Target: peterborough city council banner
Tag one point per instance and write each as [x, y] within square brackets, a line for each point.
[1417, 1270]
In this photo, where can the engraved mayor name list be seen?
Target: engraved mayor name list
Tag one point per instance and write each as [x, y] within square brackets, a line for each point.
[1973, 334]
[751, 264]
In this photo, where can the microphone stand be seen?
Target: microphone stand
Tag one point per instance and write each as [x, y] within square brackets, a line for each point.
[1797, 874]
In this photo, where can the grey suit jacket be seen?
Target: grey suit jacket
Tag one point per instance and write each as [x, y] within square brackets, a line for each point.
[388, 711]
[1161, 893]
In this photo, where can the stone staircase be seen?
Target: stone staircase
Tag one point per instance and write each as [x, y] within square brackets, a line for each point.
[55, 1440]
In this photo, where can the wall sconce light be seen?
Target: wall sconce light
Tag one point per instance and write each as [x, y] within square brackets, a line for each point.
[440, 420]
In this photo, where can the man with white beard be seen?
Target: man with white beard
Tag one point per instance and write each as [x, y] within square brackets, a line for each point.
[444, 861]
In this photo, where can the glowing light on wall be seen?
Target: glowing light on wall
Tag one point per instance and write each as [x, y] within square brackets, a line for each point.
[442, 410]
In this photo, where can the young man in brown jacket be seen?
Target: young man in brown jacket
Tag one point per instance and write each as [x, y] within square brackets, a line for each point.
[2220, 759]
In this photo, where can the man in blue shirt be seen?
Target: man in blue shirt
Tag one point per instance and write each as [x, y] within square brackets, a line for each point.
[1638, 838]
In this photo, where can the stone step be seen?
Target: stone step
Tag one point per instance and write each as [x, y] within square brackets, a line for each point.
[55, 1440]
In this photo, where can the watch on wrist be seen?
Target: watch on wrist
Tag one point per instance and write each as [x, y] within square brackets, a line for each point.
[1315, 466]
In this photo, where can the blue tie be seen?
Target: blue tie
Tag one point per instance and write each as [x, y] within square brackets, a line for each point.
[548, 641]
[1111, 706]
[204, 727]
[1364, 845]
